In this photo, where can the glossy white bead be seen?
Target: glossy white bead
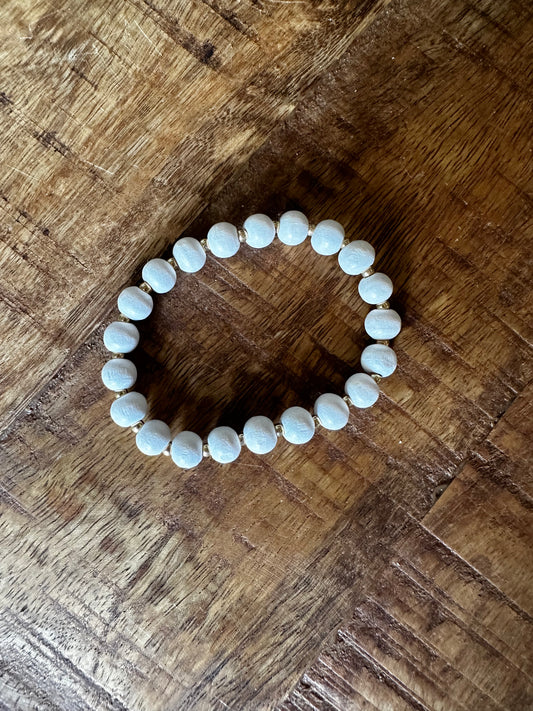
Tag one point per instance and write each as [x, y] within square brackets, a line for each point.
[135, 303]
[186, 449]
[298, 425]
[223, 239]
[260, 434]
[362, 390]
[189, 254]
[383, 324]
[332, 411]
[160, 275]
[224, 444]
[127, 410]
[356, 257]
[379, 358]
[327, 237]
[153, 437]
[293, 227]
[260, 230]
[375, 289]
[121, 337]
[119, 374]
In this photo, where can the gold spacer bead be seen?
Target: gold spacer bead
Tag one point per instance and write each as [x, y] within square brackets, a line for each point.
[310, 229]
[368, 272]
[383, 343]
[204, 244]
[241, 438]
[118, 355]
[172, 262]
[316, 420]
[166, 451]
[347, 400]
[137, 426]
[205, 450]
[123, 318]
[279, 429]
[276, 226]
[120, 393]
[378, 378]
[345, 243]
[384, 305]
[144, 286]
[243, 235]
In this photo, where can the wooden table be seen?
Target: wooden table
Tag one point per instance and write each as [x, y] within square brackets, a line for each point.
[386, 566]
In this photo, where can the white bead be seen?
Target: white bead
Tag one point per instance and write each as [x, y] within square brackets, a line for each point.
[127, 410]
[327, 237]
[223, 239]
[362, 390]
[119, 374]
[260, 230]
[356, 257]
[293, 227]
[135, 303]
[153, 437]
[121, 337]
[160, 275]
[332, 411]
[260, 434]
[189, 254]
[298, 425]
[375, 289]
[383, 324]
[186, 449]
[379, 358]
[224, 444]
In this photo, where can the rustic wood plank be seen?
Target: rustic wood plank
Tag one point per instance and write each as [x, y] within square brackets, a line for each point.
[441, 628]
[333, 569]
[107, 102]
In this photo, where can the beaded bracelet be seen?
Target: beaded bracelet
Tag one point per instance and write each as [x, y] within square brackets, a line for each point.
[297, 425]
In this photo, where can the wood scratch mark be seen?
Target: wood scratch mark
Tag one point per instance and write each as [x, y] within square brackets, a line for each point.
[111, 172]
[149, 40]
[21, 171]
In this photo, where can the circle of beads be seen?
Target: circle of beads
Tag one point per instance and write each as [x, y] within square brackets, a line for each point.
[260, 434]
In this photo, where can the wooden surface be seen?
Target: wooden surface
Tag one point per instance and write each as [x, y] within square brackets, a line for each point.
[387, 566]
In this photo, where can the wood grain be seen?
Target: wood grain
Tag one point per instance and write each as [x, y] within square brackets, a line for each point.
[141, 130]
[386, 566]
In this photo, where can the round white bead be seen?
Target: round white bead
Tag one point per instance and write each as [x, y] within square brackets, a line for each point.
[298, 425]
[189, 254]
[260, 230]
[332, 411]
[127, 410]
[223, 239]
[379, 358]
[383, 324]
[224, 444]
[121, 337]
[293, 227]
[119, 374]
[135, 303]
[362, 390]
[160, 275]
[260, 434]
[327, 237]
[153, 437]
[356, 257]
[375, 289]
[186, 449]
